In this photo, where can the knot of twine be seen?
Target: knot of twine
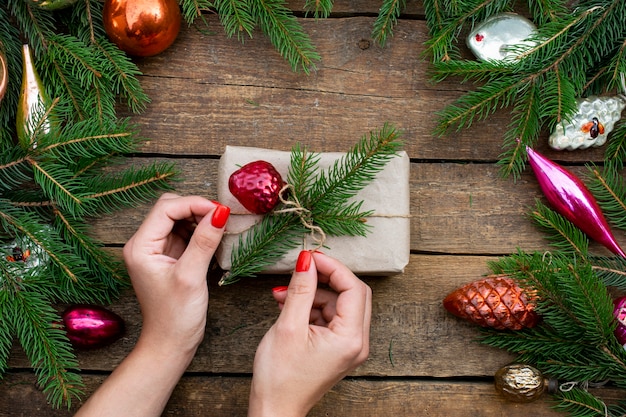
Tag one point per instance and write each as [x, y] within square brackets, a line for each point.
[294, 206]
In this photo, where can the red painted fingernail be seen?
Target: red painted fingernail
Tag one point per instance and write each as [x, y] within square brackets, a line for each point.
[220, 216]
[280, 288]
[304, 261]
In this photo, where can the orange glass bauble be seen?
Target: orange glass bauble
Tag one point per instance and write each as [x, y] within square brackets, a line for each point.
[142, 27]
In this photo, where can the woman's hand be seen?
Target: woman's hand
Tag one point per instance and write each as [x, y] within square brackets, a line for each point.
[320, 336]
[167, 259]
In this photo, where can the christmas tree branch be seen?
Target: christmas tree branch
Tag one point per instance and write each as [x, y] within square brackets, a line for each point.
[46, 346]
[99, 261]
[285, 33]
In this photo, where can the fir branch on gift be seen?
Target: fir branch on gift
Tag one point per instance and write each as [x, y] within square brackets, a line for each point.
[577, 52]
[322, 200]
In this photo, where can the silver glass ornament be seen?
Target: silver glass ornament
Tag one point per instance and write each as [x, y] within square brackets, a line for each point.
[493, 38]
[590, 126]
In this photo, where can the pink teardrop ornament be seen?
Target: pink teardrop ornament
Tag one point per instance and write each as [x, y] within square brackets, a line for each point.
[569, 196]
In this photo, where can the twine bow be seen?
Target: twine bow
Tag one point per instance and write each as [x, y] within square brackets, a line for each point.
[294, 206]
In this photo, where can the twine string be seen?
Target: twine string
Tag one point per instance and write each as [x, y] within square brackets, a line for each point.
[293, 206]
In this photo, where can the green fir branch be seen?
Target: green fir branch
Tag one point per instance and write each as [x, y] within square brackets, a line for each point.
[609, 189]
[581, 403]
[319, 8]
[131, 187]
[612, 271]
[47, 347]
[573, 51]
[286, 34]
[559, 231]
[193, 9]
[236, 16]
[387, 19]
[264, 244]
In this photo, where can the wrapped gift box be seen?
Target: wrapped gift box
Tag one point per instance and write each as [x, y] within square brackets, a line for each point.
[383, 251]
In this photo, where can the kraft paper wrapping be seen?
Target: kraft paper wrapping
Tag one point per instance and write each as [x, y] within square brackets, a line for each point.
[385, 249]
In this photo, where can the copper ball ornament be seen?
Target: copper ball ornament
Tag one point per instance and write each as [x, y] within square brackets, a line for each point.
[142, 27]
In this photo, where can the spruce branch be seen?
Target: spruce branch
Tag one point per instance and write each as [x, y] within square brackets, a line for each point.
[387, 19]
[559, 231]
[49, 186]
[323, 197]
[47, 347]
[576, 52]
[236, 17]
[286, 34]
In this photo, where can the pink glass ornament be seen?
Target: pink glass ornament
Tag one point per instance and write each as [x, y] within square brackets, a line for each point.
[620, 315]
[92, 326]
[569, 196]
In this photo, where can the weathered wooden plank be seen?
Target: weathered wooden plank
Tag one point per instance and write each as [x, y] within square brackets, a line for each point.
[455, 208]
[218, 396]
[412, 335]
[209, 91]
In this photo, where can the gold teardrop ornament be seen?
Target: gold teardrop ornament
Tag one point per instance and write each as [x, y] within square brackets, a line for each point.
[32, 105]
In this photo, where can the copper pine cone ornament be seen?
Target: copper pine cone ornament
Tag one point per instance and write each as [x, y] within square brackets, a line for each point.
[495, 301]
[142, 27]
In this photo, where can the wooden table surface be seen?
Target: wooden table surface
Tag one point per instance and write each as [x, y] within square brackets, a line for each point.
[209, 91]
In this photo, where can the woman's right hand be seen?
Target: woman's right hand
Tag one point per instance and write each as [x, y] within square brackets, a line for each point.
[319, 337]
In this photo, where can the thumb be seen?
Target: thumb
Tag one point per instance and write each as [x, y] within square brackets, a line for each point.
[301, 292]
[204, 241]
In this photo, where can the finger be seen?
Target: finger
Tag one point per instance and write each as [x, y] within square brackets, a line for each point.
[204, 241]
[367, 318]
[159, 223]
[323, 308]
[300, 293]
[352, 298]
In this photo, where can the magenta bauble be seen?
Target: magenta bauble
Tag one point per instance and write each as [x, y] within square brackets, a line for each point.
[92, 326]
[569, 196]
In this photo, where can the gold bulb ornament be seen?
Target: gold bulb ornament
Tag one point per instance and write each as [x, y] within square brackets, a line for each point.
[142, 27]
[33, 103]
[522, 383]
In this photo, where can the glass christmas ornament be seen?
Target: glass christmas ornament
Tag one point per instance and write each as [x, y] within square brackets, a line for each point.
[25, 257]
[4, 73]
[569, 196]
[493, 38]
[92, 326]
[590, 126]
[257, 186]
[620, 315]
[522, 383]
[495, 301]
[142, 27]
[33, 102]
